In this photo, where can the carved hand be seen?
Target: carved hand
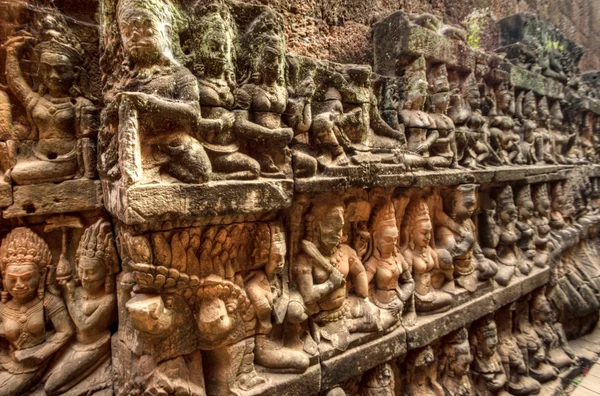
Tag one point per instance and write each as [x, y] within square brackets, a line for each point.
[228, 120]
[336, 278]
[26, 357]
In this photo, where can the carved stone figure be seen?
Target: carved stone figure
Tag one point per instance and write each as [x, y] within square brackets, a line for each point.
[513, 360]
[455, 363]
[552, 335]
[477, 145]
[508, 254]
[92, 305]
[60, 141]
[532, 346]
[422, 373]
[532, 145]
[378, 381]
[154, 112]
[541, 223]
[320, 274]
[216, 88]
[392, 283]
[28, 310]
[456, 238]
[503, 138]
[263, 97]
[525, 230]
[487, 370]
[422, 258]
[444, 146]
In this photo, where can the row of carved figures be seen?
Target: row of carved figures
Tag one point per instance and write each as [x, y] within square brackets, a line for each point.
[168, 117]
[227, 295]
[520, 350]
[56, 316]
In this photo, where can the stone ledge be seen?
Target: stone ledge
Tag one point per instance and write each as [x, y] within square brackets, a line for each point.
[138, 205]
[44, 199]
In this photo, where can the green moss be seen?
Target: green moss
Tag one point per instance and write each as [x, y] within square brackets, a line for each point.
[476, 23]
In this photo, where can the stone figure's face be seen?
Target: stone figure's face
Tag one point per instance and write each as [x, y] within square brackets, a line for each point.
[91, 273]
[474, 99]
[489, 344]
[144, 37]
[441, 100]
[506, 100]
[464, 205]
[21, 281]
[462, 364]
[331, 228]
[508, 215]
[217, 52]
[526, 208]
[58, 73]
[387, 239]
[421, 233]
[272, 59]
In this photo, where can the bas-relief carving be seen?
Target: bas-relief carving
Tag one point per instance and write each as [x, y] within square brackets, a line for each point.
[56, 313]
[51, 136]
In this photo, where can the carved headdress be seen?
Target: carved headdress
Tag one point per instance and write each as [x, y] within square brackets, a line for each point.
[529, 105]
[21, 247]
[416, 212]
[524, 195]
[505, 199]
[97, 243]
[161, 10]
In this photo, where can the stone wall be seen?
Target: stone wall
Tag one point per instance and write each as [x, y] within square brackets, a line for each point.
[220, 197]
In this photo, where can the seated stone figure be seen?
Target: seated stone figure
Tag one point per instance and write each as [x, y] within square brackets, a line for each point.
[263, 99]
[92, 305]
[28, 313]
[62, 117]
[541, 224]
[515, 366]
[392, 283]
[456, 238]
[455, 363]
[487, 370]
[155, 106]
[508, 254]
[503, 138]
[422, 258]
[320, 274]
[525, 229]
[216, 87]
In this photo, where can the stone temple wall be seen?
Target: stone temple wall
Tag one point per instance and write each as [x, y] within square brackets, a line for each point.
[204, 198]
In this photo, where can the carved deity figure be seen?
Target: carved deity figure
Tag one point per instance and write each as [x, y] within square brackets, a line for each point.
[477, 140]
[155, 106]
[541, 224]
[515, 366]
[263, 98]
[60, 143]
[532, 346]
[422, 258]
[92, 305]
[420, 127]
[364, 127]
[525, 229]
[487, 370]
[532, 145]
[456, 238]
[378, 381]
[444, 146]
[422, 373]
[508, 254]
[216, 88]
[27, 312]
[320, 274]
[544, 129]
[563, 138]
[392, 283]
[552, 334]
[502, 135]
[271, 349]
[455, 363]
[326, 130]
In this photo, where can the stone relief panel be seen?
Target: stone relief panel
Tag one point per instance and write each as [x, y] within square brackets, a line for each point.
[58, 304]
